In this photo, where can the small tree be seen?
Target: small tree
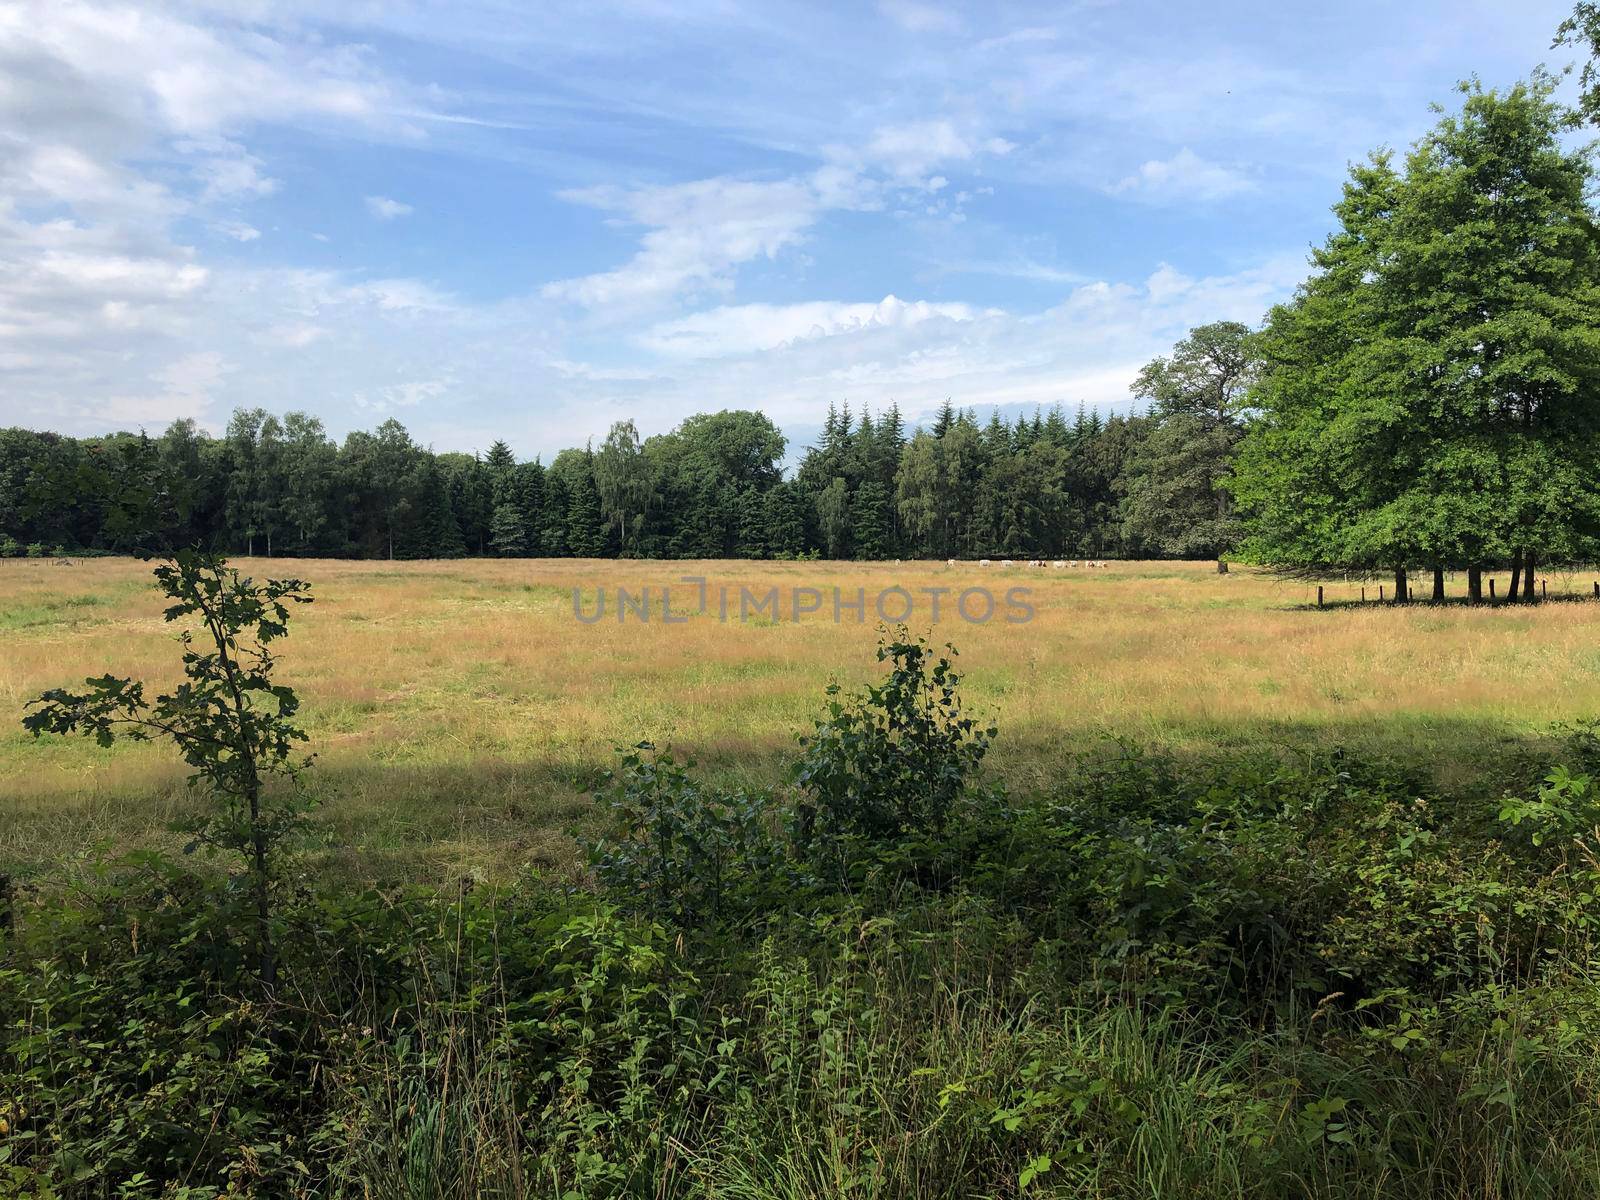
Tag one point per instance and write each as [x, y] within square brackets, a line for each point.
[231, 723]
[889, 764]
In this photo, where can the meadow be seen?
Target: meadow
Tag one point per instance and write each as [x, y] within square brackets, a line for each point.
[461, 714]
[1246, 896]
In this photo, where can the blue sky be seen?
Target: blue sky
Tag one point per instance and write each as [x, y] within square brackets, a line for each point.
[492, 219]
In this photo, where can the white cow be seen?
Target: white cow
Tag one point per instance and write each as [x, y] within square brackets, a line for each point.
[1006, 562]
[1059, 564]
[949, 562]
[983, 562]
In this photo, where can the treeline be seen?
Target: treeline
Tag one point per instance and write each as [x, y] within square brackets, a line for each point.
[712, 488]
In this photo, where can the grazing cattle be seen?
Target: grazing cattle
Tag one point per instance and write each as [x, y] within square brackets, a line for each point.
[949, 562]
[1059, 564]
[983, 562]
[1006, 562]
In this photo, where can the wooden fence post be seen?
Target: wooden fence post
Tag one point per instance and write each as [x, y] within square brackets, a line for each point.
[1544, 589]
[1319, 595]
[1491, 590]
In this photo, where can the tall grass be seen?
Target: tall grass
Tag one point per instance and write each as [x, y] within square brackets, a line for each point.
[461, 713]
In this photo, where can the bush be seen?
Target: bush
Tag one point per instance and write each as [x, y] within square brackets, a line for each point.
[887, 767]
[680, 851]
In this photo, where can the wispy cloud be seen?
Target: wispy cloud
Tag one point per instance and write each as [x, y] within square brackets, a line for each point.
[752, 328]
[386, 209]
[1185, 177]
[697, 232]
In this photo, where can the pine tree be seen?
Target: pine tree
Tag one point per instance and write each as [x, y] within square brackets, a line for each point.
[585, 531]
[433, 532]
[753, 524]
[508, 535]
[869, 517]
[553, 541]
[528, 498]
[786, 522]
[499, 460]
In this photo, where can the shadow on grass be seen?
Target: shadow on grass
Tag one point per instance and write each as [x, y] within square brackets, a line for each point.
[1332, 605]
[495, 818]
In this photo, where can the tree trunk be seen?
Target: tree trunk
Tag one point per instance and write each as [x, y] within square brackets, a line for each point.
[1516, 576]
[1400, 594]
[1530, 562]
[1475, 584]
[1438, 585]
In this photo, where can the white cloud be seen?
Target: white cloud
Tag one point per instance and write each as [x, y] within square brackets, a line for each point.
[227, 172]
[237, 230]
[386, 209]
[909, 151]
[183, 389]
[750, 328]
[154, 68]
[401, 395]
[296, 335]
[697, 233]
[1184, 177]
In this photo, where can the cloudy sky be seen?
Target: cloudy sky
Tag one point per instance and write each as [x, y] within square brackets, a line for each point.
[493, 218]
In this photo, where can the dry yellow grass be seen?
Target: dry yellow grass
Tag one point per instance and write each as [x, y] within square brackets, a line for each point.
[460, 712]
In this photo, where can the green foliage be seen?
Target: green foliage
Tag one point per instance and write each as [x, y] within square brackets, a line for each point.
[1428, 395]
[1246, 975]
[889, 765]
[678, 850]
[507, 535]
[229, 720]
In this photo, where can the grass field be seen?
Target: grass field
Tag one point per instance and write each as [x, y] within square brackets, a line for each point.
[460, 712]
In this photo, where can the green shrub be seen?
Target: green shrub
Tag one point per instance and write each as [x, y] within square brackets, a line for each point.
[680, 851]
[888, 766]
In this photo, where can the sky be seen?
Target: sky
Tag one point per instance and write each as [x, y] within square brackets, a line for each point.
[526, 221]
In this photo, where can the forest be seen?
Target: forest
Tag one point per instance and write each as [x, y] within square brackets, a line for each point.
[711, 488]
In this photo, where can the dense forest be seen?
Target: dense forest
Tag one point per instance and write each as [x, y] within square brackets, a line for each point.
[711, 488]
